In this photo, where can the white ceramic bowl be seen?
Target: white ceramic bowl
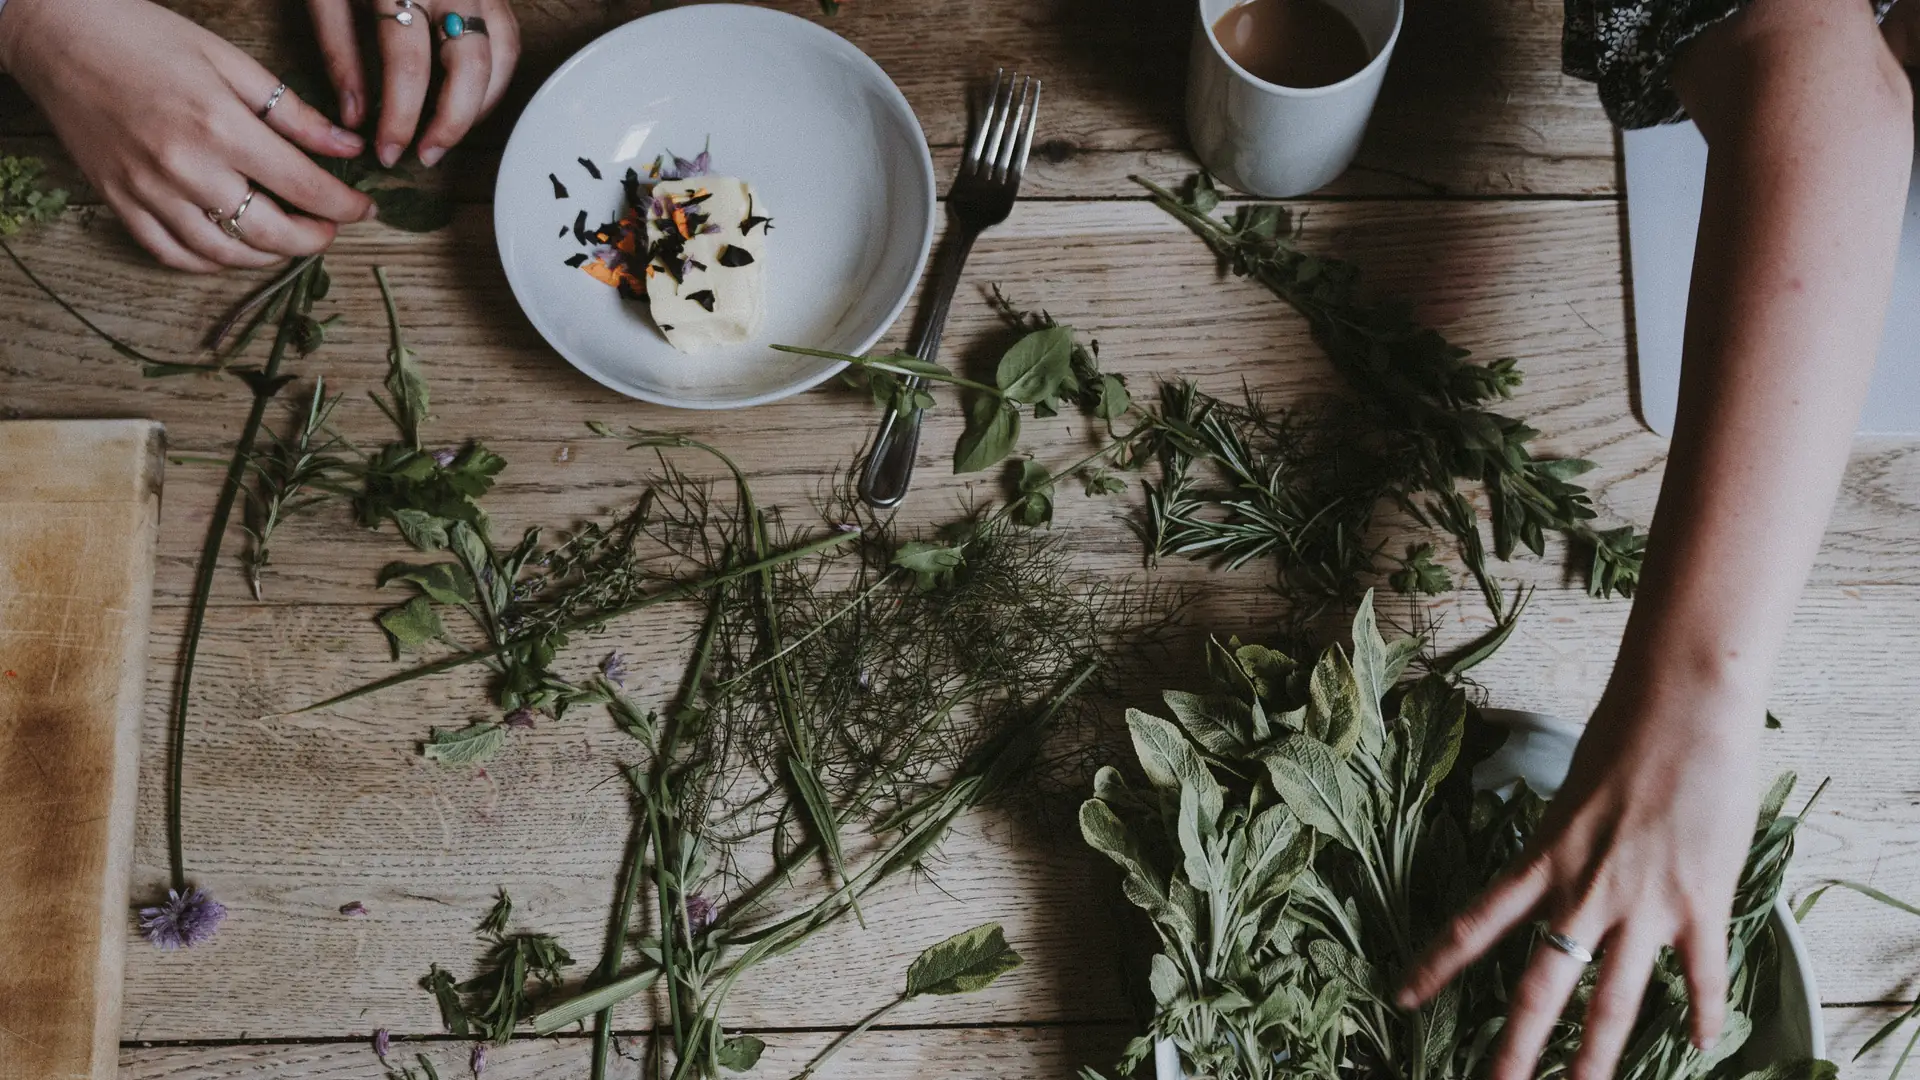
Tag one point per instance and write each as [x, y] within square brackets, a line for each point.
[1538, 751]
[794, 109]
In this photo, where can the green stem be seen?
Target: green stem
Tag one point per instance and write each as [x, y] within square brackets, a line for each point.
[679, 591]
[667, 898]
[894, 369]
[258, 302]
[616, 946]
[119, 346]
[264, 387]
[850, 1034]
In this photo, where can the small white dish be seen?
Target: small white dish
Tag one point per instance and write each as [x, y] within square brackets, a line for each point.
[802, 115]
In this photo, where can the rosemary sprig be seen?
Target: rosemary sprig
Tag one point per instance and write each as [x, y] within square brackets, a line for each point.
[1425, 393]
[295, 474]
[679, 591]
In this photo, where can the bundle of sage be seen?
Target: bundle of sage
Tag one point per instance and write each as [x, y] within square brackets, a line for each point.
[1305, 829]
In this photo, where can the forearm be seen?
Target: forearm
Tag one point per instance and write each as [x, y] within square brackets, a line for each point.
[1810, 130]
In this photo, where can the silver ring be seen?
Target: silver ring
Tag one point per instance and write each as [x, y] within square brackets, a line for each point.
[404, 16]
[1569, 946]
[273, 99]
[232, 224]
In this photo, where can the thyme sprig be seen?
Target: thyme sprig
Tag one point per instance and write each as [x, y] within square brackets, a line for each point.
[1423, 393]
[293, 475]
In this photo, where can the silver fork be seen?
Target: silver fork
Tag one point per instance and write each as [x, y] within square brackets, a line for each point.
[982, 197]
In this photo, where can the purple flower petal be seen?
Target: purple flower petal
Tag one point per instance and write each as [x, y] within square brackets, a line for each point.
[382, 1040]
[479, 1061]
[614, 667]
[444, 456]
[354, 908]
[521, 717]
[700, 912]
[186, 919]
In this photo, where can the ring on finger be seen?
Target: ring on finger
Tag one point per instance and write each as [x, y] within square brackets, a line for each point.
[405, 16]
[231, 225]
[1569, 946]
[273, 99]
[455, 25]
[215, 214]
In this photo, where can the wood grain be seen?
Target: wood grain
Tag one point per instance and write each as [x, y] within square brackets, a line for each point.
[1474, 102]
[932, 1054]
[1486, 192]
[289, 817]
[79, 507]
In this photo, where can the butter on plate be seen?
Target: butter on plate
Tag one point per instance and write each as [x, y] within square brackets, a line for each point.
[707, 240]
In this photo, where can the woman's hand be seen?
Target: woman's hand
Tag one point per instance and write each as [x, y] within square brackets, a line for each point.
[478, 66]
[1809, 127]
[165, 120]
[1642, 849]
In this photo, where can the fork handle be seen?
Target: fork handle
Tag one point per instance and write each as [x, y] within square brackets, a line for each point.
[889, 467]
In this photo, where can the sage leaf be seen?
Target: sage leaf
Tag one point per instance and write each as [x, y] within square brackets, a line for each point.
[424, 531]
[412, 624]
[963, 963]
[1221, 725]
[740, 1053]
[464, 746]
[1311, 781]
[444, 583]
[1170, 761]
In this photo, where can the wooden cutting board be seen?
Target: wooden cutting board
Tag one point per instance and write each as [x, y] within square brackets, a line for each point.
[79, 506]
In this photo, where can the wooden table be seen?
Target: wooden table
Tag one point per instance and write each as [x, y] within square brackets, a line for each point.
[1488, 192]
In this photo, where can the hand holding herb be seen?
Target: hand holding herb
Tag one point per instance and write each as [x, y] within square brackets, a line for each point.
[164, 118]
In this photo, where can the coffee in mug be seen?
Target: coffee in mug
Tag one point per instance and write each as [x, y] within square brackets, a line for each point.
[1298, 43]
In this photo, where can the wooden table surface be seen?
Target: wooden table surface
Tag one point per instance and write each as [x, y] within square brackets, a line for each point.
[1488, 192]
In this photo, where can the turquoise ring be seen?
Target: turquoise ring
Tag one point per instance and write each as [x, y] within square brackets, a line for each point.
[453, 25]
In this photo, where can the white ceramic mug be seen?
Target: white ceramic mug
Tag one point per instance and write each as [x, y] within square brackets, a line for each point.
[1278, 141]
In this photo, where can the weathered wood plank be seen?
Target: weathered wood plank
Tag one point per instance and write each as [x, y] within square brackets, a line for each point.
[934, 1053]
[288, 817]
[1539, 281]
[1474, 103]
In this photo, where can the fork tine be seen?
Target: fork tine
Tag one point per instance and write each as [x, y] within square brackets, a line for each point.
[1002, 105]
[986, 121]
[1026, 134]
[1016, 123]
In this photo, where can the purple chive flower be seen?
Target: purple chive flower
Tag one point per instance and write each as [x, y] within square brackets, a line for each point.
[479, 1061]
[381, 1041]
[185, 920]
[846, 527]
[682, 169]
[614, 667]
[700, 912]
[521, 717]
[444, 456]
[354, 908]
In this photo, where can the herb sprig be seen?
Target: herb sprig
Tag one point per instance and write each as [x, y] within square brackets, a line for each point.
[1305, 829]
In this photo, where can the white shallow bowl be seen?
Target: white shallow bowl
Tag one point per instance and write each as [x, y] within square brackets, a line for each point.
[803, 116]
[1538, 750]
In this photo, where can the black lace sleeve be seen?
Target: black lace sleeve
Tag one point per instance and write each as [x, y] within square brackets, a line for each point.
[1628, 46]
